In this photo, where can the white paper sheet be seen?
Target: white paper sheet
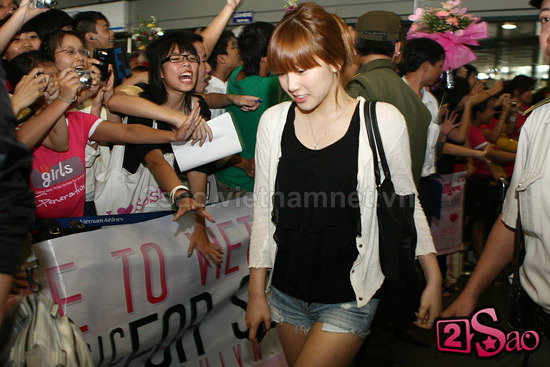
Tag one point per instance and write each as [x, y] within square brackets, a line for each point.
[225, 142]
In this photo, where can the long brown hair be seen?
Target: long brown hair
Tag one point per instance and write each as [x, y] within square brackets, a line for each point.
[306, 36]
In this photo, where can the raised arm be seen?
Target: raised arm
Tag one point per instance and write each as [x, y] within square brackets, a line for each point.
[49, 126]
[493, 135]
[25, 12]
[213, 31]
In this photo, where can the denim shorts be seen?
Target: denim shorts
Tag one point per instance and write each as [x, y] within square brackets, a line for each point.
[336, 317]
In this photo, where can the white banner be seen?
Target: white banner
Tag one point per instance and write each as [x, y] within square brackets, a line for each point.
[140, 301]
[447, 227]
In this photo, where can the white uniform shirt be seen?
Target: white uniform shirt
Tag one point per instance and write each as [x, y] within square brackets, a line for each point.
[530, 189]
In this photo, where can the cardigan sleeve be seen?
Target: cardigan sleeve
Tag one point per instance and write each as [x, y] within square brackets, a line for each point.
[260, 256]
[396, 145]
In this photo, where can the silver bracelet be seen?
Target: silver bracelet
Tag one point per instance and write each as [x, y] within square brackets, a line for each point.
[173, 192]
[68, 101]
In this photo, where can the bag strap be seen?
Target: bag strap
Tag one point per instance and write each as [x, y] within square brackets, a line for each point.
[375, 141]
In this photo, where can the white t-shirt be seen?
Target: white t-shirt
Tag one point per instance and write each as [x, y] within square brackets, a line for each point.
[429, 100]
[215, 85]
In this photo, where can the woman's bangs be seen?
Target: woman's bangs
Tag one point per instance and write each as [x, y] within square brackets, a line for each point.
[182, 47]
[291, 51]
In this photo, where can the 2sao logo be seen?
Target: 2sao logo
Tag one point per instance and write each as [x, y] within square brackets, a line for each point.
[461, 335]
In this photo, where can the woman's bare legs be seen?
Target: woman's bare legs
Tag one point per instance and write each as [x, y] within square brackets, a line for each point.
[318, 348]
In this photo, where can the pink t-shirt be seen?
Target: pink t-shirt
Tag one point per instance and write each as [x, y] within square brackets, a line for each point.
[478, 141]
[59, 178]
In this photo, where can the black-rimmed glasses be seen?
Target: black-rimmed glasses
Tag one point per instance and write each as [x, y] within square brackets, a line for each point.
[179, 58]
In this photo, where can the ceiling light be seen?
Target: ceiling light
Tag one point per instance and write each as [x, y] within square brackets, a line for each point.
[508, 25]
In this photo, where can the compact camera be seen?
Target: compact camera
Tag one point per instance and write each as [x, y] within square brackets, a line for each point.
[85, 77]
[44, 3]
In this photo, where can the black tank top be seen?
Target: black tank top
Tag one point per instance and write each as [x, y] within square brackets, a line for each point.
[316, 212]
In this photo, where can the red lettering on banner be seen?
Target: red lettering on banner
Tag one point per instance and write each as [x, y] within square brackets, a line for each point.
[206, 361]
[245, 221]
[221, 359]
[126, 274]
[54, 289]
[237, 353]
[230, 247]
[162, 269]
[257, 351]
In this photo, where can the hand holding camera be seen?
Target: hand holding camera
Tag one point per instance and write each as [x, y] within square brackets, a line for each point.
[69, 85]
[44, 3]
[506, 102]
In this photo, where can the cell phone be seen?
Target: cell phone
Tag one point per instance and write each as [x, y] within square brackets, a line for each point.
[260, 333]
[103, 55]
[115, 57]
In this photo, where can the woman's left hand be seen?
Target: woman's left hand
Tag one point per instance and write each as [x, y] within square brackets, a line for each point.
[189, 204]
[430, 306]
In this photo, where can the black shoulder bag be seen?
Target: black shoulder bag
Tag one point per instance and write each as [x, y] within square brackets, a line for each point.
[397, 233]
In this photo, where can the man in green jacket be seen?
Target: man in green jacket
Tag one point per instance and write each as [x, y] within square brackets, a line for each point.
[377, 43]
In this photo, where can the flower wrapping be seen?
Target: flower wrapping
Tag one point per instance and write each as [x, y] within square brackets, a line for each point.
[452, 28]
[454, 43]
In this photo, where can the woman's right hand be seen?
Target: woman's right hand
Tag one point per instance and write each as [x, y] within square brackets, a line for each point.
[257, 311]
[69, 84]
[29, 88]
[201, 133]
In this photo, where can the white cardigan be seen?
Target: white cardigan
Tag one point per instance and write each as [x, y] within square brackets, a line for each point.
[366, 275]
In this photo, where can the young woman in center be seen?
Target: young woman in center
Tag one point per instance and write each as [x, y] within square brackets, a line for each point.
[315, 223]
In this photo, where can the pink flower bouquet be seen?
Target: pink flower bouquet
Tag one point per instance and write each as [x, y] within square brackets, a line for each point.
[452, 28]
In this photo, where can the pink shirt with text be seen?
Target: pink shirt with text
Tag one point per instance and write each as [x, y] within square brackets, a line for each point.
[59, 178]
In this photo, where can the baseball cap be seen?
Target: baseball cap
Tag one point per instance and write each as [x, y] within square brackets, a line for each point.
[535, 3]
[378, 26]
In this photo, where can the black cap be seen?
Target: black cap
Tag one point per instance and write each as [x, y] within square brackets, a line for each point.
[535, 3]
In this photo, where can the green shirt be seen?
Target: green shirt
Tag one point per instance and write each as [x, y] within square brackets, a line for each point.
[265, 88]
[378, 81]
